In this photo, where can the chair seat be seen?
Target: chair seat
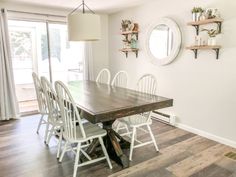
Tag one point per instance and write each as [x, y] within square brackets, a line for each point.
[135, 120]
[91, 130]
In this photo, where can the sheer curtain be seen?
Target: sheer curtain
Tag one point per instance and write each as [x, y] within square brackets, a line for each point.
[88, 61]
[8, 101]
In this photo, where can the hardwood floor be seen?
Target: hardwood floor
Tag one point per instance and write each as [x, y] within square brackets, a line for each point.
[24, 154]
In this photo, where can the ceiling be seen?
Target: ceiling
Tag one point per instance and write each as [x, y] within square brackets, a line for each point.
[101, 6]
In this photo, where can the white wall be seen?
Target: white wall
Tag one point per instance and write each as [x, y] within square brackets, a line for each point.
[100, 48]
[204, 90]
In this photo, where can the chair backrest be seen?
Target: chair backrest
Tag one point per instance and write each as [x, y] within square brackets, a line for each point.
[39, 93]
[69, 112]
[104, 76]
[147, 84]
[51, 100]
[120, 79]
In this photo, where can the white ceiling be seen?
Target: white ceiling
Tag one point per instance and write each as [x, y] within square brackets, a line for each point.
[102, 6]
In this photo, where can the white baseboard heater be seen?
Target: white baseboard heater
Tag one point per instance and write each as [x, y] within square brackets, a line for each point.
[164, 117]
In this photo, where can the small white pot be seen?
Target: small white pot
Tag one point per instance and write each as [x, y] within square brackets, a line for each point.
[194, 17]
[211, 41]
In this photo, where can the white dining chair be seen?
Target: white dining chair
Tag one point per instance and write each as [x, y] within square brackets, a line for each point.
[146, 84]
[120, 79]
[55, 124]
[41, 103]
[104, 76]
[76, 132]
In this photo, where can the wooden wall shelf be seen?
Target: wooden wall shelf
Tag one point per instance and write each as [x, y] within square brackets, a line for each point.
[130, 39]
[127, 50]
[196, 24]
[129, 32]
[195, 49]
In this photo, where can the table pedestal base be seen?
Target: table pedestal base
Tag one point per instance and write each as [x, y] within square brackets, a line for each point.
[114, 147]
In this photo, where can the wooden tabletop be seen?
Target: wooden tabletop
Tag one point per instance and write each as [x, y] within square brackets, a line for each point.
[102, 103]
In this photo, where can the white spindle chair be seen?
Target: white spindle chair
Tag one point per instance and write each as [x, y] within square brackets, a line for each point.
[146, 84]
[104, 76]
[120, 79]
[41, 103]
[55, 124]
[75, 131]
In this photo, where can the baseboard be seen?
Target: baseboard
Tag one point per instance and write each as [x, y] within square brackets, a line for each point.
[207, 135]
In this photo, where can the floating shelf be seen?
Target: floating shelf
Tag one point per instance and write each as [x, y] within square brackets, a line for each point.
[129, 32]
[196, 24]
[195, 49]
[127, 50]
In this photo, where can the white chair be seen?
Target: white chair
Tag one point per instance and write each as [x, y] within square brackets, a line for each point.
[76, 132]
[146, 84]
[120, 79]
[54, 124]
[104, 76]
[41, 103]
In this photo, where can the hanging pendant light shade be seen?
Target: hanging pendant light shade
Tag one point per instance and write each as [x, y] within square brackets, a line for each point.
[83, 26]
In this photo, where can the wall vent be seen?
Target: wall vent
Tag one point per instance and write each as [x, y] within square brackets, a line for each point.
[164, 117]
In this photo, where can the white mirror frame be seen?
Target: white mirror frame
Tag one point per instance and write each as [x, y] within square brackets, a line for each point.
[176, 44]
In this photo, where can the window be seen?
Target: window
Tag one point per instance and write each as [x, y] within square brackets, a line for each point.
[30, 53]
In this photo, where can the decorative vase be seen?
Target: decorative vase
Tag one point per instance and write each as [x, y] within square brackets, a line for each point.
[196, 16]
[133, 44]
[202, 17]
[211, 41]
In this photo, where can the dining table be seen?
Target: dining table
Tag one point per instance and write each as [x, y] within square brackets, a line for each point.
[102, 103]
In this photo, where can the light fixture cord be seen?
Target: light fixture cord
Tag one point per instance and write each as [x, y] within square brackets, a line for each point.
[83, 5]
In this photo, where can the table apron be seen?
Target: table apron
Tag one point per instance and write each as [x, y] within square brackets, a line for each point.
[112, 115]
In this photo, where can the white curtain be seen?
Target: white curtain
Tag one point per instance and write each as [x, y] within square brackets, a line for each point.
[8, 101]
[88, 61]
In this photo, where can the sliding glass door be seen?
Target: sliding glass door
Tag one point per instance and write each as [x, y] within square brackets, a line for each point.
[66, 57]
[27, 48]
[42, 48]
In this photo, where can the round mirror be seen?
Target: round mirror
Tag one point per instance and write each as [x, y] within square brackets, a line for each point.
[163, 42]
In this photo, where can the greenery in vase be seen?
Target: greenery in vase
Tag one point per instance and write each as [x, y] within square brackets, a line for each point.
[197, 10]
[211, 32]
[125, 24]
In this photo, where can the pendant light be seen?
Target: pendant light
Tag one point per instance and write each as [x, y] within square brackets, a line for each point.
[83, 26]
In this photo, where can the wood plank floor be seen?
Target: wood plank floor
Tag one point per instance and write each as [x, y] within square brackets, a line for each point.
[182, 154]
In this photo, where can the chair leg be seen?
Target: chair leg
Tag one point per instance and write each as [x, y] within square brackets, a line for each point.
[153, 138]
[46, 133]
[50, 134]
[40, 123]
[105, 152]
[132, 143]
[76, 159]
[63, 151]
[59, 143]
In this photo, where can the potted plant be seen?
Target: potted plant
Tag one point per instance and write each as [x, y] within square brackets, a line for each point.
[212, 33]
[125, 25]
[196, 13]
